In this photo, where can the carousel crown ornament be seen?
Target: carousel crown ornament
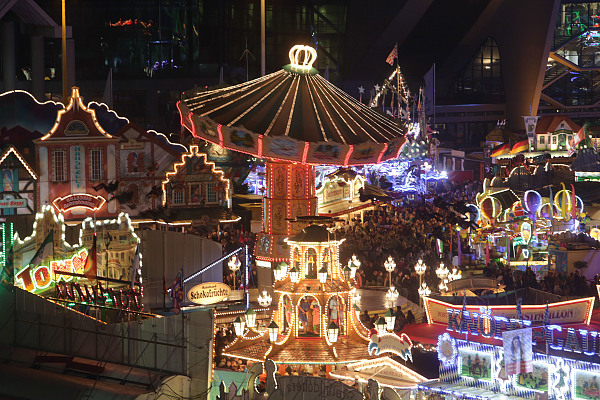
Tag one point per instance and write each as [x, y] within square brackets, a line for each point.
[307, 53]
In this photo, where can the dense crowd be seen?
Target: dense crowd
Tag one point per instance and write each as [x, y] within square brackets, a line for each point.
[407, 232]
[232, 239]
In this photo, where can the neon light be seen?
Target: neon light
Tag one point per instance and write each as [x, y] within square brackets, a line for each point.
[79, 200]
[310, 56]
[11, 149]
[44, 276]
[75, 100]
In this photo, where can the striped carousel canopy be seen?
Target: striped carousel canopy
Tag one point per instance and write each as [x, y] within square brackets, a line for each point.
[293, 114]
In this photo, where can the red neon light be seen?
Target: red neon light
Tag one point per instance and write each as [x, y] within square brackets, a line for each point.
[350, 150]
[305, 153]
[385, 146]
[220, 135]
[260, 145]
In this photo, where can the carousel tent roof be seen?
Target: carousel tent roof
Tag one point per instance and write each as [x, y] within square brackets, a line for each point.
[298, 105]
[301, 106]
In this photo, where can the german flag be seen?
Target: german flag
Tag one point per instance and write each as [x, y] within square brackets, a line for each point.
[519, 147]
[500, 150]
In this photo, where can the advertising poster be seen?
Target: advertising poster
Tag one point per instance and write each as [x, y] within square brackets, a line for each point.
[536, 379]
[587, 385]
[518, 355]
[477, 365]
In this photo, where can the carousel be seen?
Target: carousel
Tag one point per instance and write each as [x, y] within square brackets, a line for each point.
[294, 119]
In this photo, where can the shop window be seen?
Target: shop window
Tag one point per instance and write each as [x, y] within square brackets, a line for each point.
[178, 196]
[542, 140]
[554, 139]
[212, 194]
[95, 164]
[59, 166]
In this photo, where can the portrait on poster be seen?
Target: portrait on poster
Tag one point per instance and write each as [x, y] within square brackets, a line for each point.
[518, 355]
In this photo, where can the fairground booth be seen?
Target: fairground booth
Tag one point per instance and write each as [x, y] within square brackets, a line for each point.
[528, 351]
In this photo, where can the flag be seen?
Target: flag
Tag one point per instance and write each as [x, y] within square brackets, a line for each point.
[520, 146]
[547, 315]
[530, 124]
[91, 267]
[393, 55]
[107, 98]
[135, 267]
[575, 140]
[500, 150]
[429, 92]
[45, 251]
[177, 292]
[8, 273]
[519, 312]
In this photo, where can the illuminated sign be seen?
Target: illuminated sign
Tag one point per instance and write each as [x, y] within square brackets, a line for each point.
[126, 299]
[13, 203]
[391, 343]
[84, 200]
[42, 277]
[208, 293]
[578, 311]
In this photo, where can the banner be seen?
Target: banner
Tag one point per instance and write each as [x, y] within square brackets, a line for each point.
[530, 124]
[565, 312]
[518, 355]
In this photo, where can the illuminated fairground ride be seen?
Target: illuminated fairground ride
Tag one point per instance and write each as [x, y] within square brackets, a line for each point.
[314, 321]
[522, 229]
[294, 119]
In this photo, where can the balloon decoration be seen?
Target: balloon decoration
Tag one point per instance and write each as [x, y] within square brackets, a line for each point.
[565, 202]
[526, 231]
[532, 201]
[490, 208]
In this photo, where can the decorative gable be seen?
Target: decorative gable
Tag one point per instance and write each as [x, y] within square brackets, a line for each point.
[195, 182]
[76, 121]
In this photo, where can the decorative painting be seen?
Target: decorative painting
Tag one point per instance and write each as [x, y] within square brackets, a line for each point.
[283, 147]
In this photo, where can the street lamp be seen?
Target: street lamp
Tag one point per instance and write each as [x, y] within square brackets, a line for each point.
[442, 272]
[234, 264]
[420, 269]
[392, 294]
[273, 329]
[390, 319]
[251, 318]
[347, 273]
[454, 275]
[238, 325]
[390, 265]
[284, 269]
[424, 290]
[332, 332]
[295, 275]
[354, 264]
[265, 299]
[380, 325]
[322, 274]
[277, 273]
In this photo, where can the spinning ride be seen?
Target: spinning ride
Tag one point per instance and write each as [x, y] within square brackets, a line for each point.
[295, 119]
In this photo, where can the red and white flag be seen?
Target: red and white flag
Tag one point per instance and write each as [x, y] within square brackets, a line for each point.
[393, 55]
[580, 136]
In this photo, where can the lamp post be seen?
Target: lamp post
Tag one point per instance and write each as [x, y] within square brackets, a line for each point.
[390, 265]
[354, 265]
[420, 269]
[424, 291]
[295, 275]
[234, 264]
[332, 332]
[380, 325]
[238, 325]
[273, 329]
[322, 274]
[284, 269]
[392, 295]
[442, 273]
[251, 318]
[390, 319]
[347, 273]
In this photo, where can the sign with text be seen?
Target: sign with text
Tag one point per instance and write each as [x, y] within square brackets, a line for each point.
[565, 312]
[208, 293]
[312, 387]
[13, 203]
[84, 200]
